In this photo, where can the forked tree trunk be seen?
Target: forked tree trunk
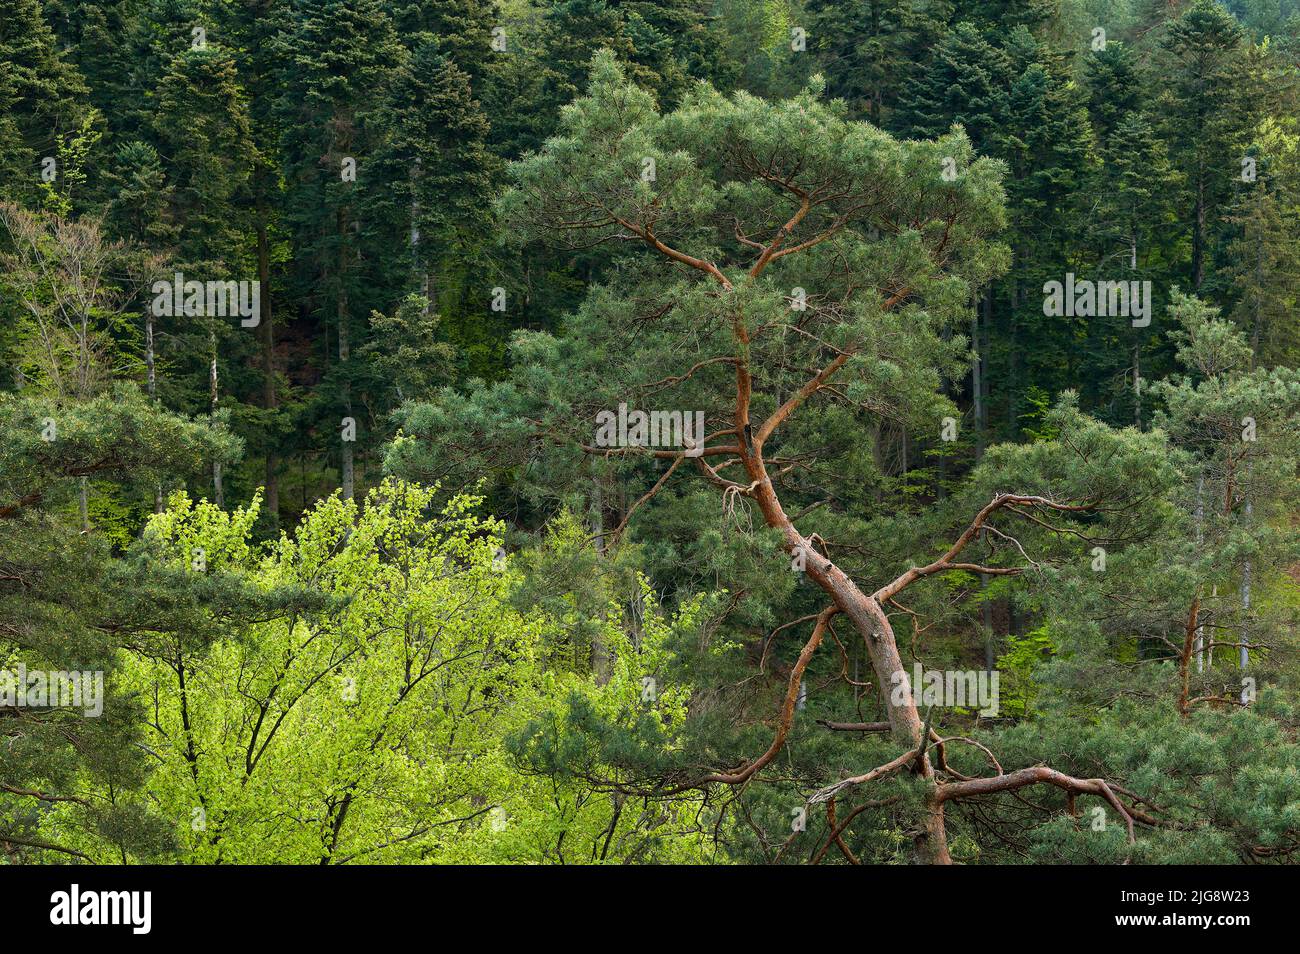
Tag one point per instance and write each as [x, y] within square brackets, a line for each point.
[865, 611]
[871, 621]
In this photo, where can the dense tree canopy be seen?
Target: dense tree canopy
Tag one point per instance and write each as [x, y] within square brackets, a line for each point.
[577, 431]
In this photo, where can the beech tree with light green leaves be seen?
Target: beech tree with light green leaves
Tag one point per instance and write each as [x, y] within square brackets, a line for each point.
[369, 724]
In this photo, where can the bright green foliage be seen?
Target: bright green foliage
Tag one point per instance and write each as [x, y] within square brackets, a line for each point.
[372, 726]
[1017, 666]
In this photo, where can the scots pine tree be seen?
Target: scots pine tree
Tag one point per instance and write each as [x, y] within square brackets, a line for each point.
[791, 276]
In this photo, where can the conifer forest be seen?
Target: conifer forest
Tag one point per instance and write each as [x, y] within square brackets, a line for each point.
[649, 432]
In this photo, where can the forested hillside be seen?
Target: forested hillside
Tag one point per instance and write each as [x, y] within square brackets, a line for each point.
[649, 432]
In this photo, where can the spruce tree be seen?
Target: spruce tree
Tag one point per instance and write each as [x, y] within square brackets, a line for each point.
[432, 185]
[1208, 105]
[335, 58]
[872, 52]
[42, 97]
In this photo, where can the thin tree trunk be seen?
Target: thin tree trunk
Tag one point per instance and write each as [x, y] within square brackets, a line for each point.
[345, 350]
[986, 616]
[1137, 350]
[977, 392]
[1244, 654]
[218, 488]
[1198, 235]
[218, 491]
[1259, 285]
[1245, 606]
[1137, 386]
[602, 665]
[151, 376]
[1200, 539]
[83, 501]
[270, 399]
[977, 383]
[152, 384]
[1184, 669]
[1013, 375]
